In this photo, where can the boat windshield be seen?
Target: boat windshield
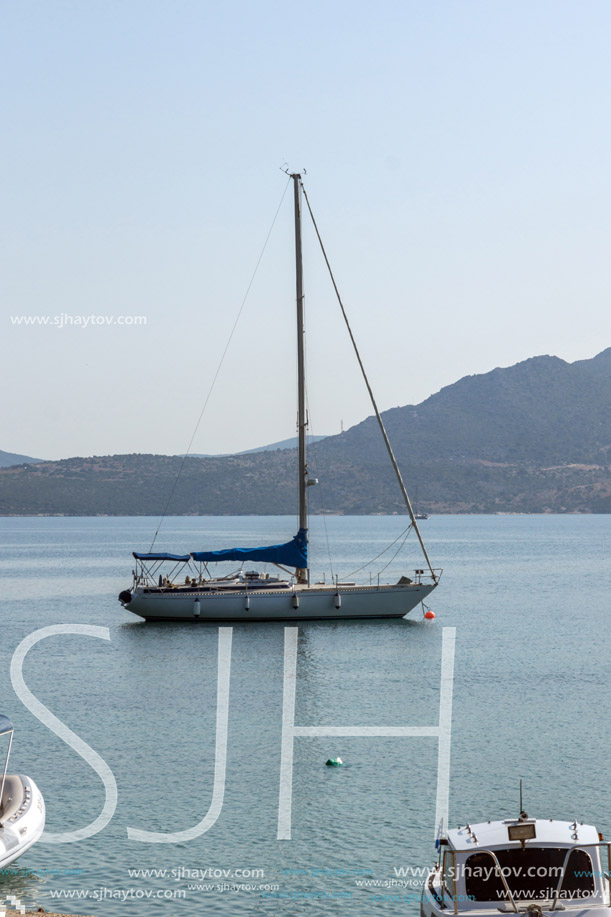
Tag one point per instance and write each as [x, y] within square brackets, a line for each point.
[531, 873]
[6, 729]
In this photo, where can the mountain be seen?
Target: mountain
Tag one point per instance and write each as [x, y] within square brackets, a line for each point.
[540, 410]
[13, 458]
[282, 444]
[534, 437]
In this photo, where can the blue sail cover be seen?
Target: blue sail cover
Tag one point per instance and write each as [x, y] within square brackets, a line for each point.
[292, 554]
[178, 557]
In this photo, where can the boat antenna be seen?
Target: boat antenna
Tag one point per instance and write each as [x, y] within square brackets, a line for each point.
[372, 398]
[523, 814]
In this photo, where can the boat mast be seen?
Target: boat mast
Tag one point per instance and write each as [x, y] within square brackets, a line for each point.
[301, 574]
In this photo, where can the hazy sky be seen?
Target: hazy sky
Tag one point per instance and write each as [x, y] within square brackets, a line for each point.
[458, 158]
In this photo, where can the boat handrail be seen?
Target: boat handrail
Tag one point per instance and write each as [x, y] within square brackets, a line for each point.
[499, 872]
[444, 890]
[8, 753]
[556, 897]
[422, 574]
[583, 847]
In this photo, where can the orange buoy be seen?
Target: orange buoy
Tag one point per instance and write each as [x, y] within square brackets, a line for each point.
[429, 615]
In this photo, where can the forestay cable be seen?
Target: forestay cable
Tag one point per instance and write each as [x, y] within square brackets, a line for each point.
[371, 396]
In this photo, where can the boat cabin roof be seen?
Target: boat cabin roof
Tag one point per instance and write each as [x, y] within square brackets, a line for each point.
[6, 725]
[509, 833]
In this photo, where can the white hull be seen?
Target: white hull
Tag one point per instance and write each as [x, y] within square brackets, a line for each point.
[22, 819]
[298, 603]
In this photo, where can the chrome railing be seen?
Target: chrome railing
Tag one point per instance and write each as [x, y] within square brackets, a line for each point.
[584, 848]
[499, 872]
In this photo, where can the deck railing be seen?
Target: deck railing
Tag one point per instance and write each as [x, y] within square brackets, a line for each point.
[510, 897]
[584, 848]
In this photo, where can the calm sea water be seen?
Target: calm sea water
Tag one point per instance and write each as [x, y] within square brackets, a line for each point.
[529, 597]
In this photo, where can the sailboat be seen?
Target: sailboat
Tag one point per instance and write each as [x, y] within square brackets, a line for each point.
[179, 587]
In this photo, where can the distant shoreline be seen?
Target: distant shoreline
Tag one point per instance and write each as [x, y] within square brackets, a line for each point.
[271, 515]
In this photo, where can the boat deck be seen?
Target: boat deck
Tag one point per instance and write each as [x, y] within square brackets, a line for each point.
[242, 588]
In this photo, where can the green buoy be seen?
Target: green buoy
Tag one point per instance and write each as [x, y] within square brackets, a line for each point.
[334, 762]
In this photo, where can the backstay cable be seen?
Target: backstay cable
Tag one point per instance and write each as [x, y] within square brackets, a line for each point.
[220, 364]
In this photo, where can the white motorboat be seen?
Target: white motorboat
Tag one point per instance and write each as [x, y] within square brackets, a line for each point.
[186, 590]
[523, 864]
[22, 808]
